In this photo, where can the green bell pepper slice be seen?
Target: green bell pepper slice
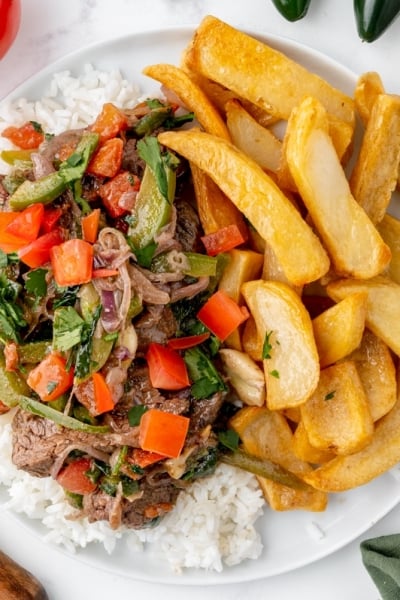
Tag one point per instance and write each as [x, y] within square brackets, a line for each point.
[152, 210]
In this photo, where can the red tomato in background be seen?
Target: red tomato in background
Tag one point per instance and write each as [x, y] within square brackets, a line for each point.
[10, 18]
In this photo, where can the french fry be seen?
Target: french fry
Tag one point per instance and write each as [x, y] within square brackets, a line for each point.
[377, 371]
[259, 199]
[389, 228]
[254, 140]
[382, 305]
[381, 454]
[354, 244]
[251, 340]
[375, 173]
[305, 451]
[245, 376]
[339, 329]
[243, 265]
[259, 73]
[191, 95]
[214, 208]
[291, 365]
[337, 417]
[369, 86]
[267, 435]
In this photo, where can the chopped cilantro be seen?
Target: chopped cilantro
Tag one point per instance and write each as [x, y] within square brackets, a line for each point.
[229, 439]
[267, 346]
[330, 395]
[36, 282]
[67, 328]
[274, 373]
[135, 414]
[37, 126]
[149, 150]
[205, 377]
[51, 386]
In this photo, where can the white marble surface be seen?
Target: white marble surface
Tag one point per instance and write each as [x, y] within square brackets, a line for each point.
[51, 29]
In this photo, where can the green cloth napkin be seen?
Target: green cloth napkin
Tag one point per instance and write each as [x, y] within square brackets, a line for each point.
[381, 558]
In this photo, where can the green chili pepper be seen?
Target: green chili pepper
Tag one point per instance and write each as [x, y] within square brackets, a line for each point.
[155, 118]
[264, 468]
[292, 10]
[33, 352]
[75, 166]
[373, 17]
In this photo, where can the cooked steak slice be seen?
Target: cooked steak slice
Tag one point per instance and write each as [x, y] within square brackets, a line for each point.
[205, 410]
[157, 324]
[142, 392]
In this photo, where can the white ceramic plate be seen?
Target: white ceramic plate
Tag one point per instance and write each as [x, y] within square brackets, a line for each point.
[292, 539]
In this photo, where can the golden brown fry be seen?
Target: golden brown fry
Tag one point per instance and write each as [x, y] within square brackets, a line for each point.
[259, 199]
[215, 209]
[339, 329]
[369, 86]
[251, 340]
[267, 435]
[251, 138]
[271, 80]
[191, 95]
[389, 228]
[381, 454]
[243, 265]
[375, 173]
[382, 307]
[354, 244]
[337, 416]
[292, 366]
[375, 366]
[305, 451]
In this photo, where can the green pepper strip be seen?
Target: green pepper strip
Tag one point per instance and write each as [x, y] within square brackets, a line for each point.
[292, 10]
[373, 17]
[201, 265]
[49, 187]
[264, 468]
[43, 410]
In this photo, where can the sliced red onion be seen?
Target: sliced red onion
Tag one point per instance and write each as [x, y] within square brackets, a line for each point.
[109, 315]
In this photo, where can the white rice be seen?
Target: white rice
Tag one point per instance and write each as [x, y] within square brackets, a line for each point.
[213, 523]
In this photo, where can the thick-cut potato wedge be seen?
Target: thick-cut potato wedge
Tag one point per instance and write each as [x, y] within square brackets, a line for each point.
[254, 140]
[382, 306]
[243, 265]
[375, 173]
[292, 371]
[305, 451]
[369, 86]
[213, 206]
[191, 95]
[251, 340]
[354, 244]
[377, 372]
[245, 376]
[267, 435]
[339, 329]
[256, 71]
[381, 454]
[389, 228]
[337, 416]
[273, 271]
[297, 248]
[220, 95]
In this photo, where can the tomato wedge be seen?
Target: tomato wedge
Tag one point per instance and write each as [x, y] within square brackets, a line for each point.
[50, 378]
[27, 223]
[167, 369]
[223, 240]
[27, 136]
[188, 341]
[110, 122]
[74, 477]
[72, 262]
[108, 158]
[37, 253]
[163, 432]
[102, 394]
[221, 315]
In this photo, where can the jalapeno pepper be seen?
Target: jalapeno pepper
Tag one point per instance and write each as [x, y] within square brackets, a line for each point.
[373, 17]
[292, 10]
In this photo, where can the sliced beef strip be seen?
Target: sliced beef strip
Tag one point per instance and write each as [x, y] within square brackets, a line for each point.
[97, 506]
[188, 228]
[204, 411]
[37, 442]
[131, 160]
[157, 324]
[141, 392]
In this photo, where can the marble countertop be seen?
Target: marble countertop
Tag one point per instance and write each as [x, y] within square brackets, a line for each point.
[52, 29]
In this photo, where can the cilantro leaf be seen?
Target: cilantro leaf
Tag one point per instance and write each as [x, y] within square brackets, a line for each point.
[83, 362]
[135, 414]
[229, 439]
[67, 328]
[205, 377]
[36, 282]
[267, 346]
[150, 151]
